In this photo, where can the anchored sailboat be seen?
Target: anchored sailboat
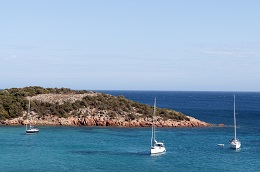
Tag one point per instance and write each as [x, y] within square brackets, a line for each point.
[235, 143]
[31, 128]
[156, 147]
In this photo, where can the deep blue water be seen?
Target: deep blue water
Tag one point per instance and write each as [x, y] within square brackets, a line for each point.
[127, 149]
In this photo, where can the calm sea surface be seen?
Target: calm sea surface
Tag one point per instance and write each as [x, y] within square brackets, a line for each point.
[128, 149]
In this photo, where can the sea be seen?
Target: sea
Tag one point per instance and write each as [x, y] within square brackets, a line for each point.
[98, 149]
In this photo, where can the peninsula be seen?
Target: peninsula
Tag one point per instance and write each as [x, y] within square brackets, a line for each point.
[63, 106]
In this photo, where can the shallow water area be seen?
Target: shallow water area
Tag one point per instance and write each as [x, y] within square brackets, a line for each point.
[118, 149]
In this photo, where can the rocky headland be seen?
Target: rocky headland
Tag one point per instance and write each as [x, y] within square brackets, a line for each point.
[73, 108]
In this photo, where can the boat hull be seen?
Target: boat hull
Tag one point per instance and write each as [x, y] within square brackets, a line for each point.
[235, 144]
[31, 131]
[157, 150]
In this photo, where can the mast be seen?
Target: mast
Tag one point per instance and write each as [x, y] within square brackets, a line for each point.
[154, 118]
[153, 124]
[28, 113]
[152, 135]
[235, 117]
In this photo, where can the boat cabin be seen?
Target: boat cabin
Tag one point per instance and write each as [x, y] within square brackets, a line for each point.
[159, 144]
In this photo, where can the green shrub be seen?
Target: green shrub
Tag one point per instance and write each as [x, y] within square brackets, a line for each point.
[13, 102]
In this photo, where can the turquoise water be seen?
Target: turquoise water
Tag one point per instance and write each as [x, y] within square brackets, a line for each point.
[127, 149]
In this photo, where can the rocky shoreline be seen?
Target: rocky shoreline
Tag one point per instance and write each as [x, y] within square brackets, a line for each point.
[90, 109]
[51, 120]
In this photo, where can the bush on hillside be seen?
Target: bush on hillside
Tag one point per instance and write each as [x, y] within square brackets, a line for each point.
[13, 103]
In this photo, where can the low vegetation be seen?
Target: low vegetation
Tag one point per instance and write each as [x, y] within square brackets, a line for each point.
[13, 102]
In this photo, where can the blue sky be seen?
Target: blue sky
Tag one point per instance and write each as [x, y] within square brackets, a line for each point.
[131, 44]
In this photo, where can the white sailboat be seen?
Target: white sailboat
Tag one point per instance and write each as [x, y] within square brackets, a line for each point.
[156, 147]
[31, 128]
[235, 143]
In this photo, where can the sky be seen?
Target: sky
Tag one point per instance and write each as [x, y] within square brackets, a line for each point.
[178, 45]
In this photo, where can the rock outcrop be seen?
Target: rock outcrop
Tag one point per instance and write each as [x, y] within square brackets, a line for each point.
[103, 121]
[61, 98]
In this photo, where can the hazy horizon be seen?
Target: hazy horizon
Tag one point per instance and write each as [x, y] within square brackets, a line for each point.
[139, 90]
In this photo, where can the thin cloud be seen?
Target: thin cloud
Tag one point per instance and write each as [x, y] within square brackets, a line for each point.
[248, 50]
[18, 47]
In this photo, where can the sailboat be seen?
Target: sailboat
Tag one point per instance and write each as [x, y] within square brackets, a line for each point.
[235, 143]
[31, 128]
[156, 147]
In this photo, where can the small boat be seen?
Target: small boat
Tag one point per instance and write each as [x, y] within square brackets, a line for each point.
[221, 144]
[156, 147]
[31, 129]
[235, 143]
